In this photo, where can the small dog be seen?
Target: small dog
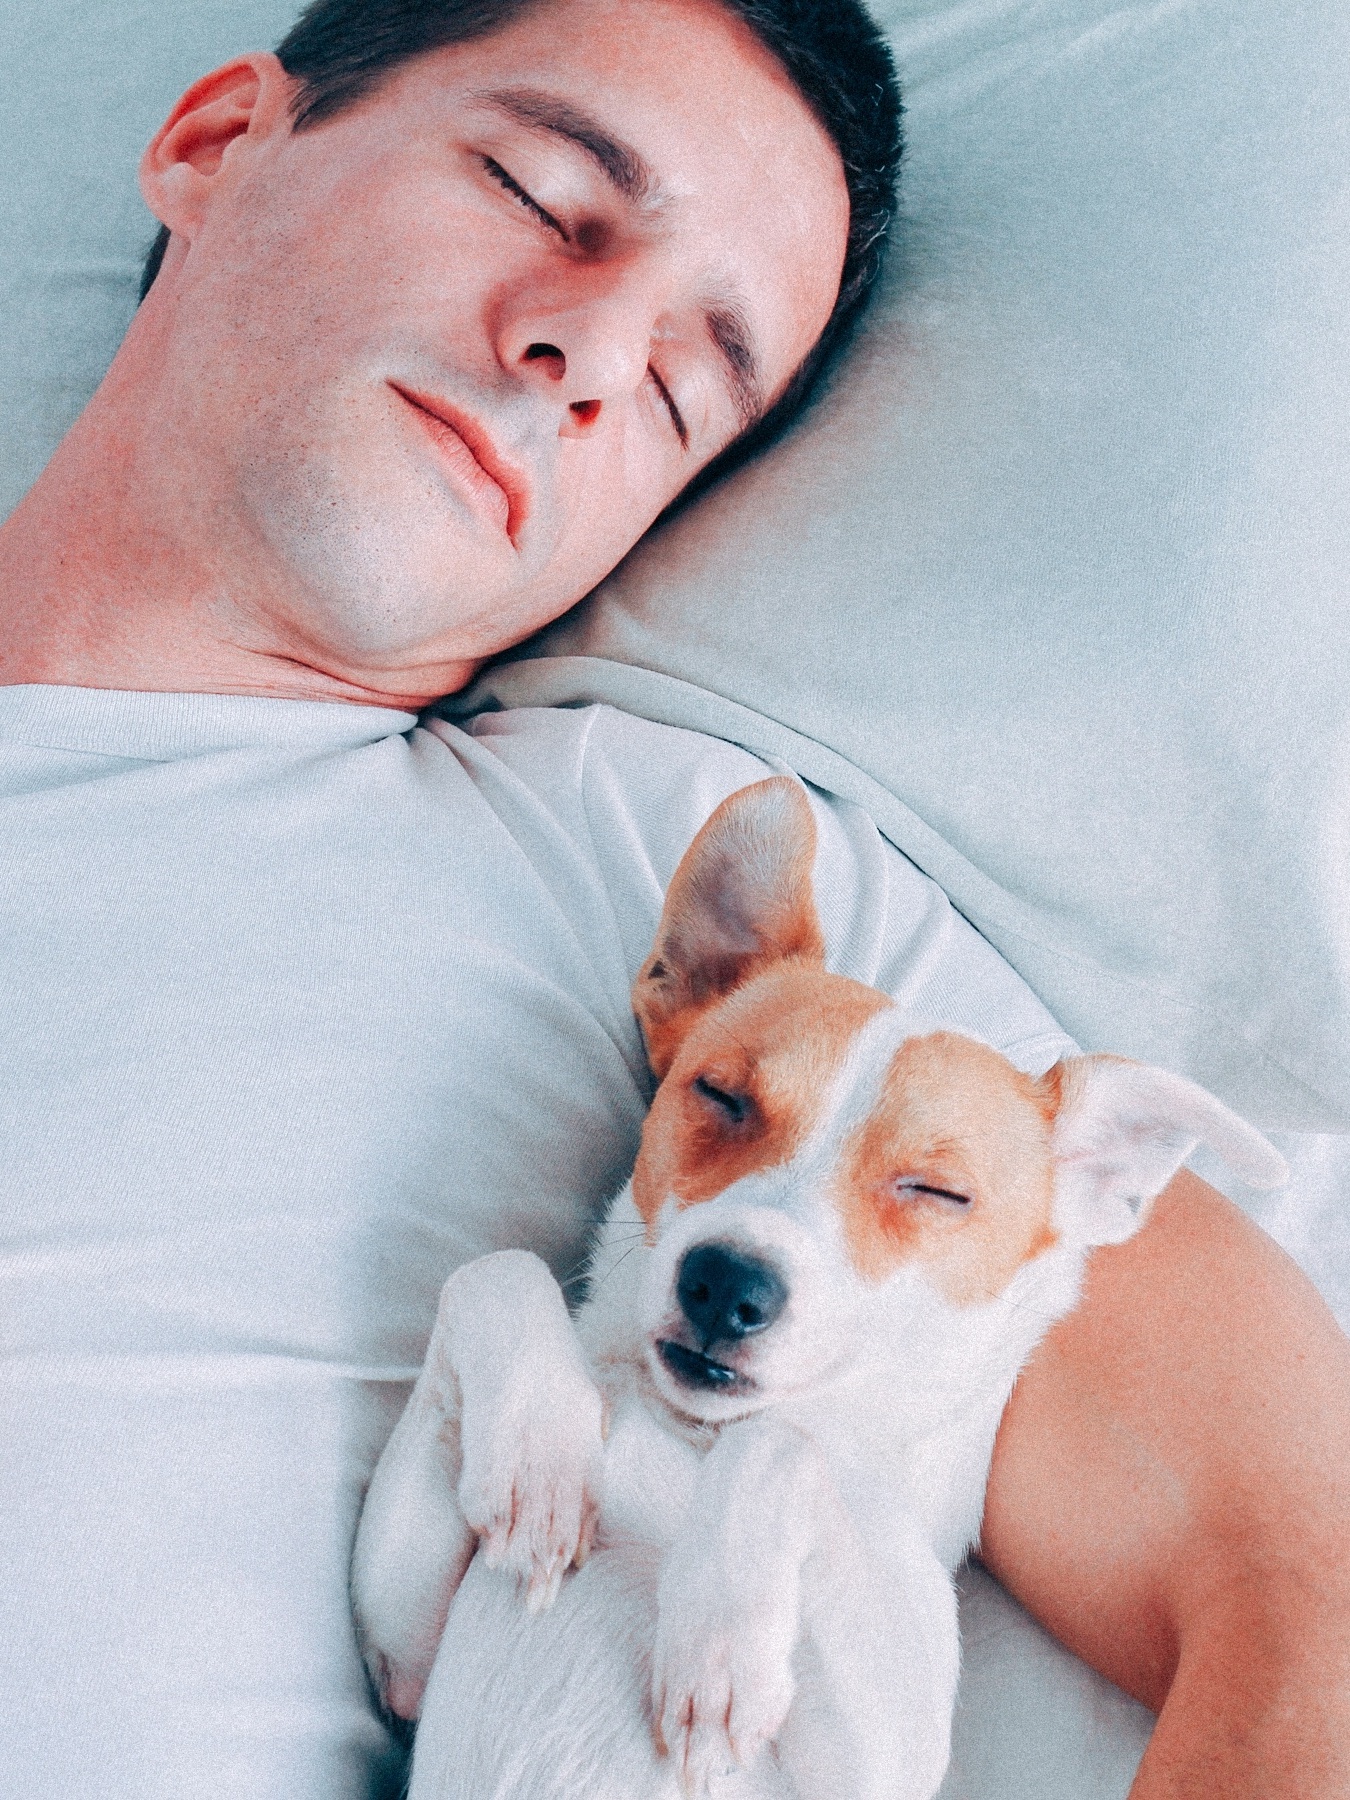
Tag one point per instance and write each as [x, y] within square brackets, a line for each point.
[732, 1490]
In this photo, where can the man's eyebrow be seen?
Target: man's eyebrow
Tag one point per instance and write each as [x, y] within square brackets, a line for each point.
[619, 163]
[730, 332]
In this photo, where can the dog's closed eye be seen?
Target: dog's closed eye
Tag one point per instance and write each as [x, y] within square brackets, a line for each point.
[905, 1185]
[733, 1106]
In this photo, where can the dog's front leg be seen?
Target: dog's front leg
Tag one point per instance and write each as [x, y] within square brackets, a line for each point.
[877, 1665]
[499, 1445]
[729, 1602]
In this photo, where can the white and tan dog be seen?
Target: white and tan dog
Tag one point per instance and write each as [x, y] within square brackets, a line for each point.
[734, 1487]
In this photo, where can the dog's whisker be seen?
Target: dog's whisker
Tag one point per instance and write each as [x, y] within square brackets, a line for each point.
[601, 1278]
[582, 1268]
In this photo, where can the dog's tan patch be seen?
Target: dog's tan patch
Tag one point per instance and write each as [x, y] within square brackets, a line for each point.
[774, 1048]
[952, 1115]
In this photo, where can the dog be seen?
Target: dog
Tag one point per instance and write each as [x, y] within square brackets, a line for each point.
[699, 1539]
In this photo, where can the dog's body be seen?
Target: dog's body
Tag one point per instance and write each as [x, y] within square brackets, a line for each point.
[761, 1447]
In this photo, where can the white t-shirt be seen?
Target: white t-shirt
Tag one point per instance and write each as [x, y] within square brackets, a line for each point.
[301, 1005]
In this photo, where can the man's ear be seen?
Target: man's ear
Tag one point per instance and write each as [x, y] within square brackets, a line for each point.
[740, 901]
[1120, 1131]
[250, 95]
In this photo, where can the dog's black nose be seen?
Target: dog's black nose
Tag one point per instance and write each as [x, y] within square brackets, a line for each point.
[726, 1295]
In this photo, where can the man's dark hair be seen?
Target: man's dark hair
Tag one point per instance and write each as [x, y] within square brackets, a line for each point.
[340, 50]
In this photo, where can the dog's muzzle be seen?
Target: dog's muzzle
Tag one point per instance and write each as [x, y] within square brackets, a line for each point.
[725, 1297]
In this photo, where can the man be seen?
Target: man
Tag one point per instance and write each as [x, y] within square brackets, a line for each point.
[306, 1003]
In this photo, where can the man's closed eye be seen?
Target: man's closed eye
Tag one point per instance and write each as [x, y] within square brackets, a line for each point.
[506, 180]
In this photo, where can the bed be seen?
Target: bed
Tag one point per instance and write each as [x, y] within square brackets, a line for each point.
[1051, 578]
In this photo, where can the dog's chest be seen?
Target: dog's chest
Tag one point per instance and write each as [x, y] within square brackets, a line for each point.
[649, 1476]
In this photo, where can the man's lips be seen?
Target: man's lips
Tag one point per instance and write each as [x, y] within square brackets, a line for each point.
[501, 488]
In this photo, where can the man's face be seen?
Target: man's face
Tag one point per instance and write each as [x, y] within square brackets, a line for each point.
[447, 355]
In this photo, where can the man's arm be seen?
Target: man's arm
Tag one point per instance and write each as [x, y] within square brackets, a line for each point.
[1170, 1496]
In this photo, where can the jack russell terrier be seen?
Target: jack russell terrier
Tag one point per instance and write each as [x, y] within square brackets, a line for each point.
[732, 1489]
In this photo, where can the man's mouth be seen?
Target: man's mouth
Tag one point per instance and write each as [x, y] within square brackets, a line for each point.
[499, 489]
[692, 1368]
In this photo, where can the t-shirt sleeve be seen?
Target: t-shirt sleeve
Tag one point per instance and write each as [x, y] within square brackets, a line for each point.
[631, 794]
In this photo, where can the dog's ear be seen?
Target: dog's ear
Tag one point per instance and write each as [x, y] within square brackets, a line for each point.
[740, 900]
[1120, 1131]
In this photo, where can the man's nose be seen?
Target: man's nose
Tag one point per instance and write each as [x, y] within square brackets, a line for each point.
[586, 355]
[726, 1294]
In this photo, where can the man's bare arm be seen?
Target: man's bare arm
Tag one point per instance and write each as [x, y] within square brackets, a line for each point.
[1170, 1496]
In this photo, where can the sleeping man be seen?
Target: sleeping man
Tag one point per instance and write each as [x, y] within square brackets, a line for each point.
[305, 1001]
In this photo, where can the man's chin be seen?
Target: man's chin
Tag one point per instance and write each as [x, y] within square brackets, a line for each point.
[371, 600]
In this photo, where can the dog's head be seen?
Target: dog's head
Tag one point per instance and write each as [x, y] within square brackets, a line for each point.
[816, 1165]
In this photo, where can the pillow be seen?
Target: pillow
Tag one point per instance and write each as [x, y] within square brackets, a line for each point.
[1053, 578]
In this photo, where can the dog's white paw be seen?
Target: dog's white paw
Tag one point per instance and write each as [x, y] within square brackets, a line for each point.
[530, 1482]
[722, 1683]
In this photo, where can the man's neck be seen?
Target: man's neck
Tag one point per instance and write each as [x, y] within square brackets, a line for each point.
[121, 570]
